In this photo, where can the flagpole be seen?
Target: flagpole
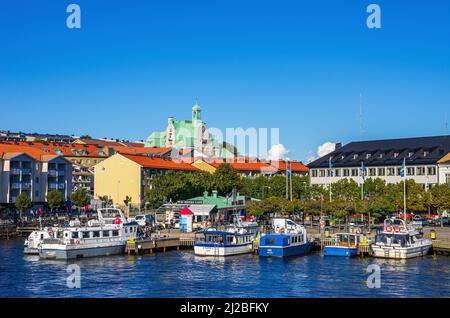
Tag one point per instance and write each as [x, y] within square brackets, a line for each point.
[290, 177]
[362, 186]
[331, 174]
[404, 190]
[287, 184]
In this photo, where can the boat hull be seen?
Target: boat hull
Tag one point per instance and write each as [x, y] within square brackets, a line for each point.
[340, 251]
[220, 250]
[284, 251]
[73, 253]
[30, 251]
[400, 252]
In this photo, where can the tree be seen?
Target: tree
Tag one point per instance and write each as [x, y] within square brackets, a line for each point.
[54, 199]
[440, 198]
[23, 202]
[105, 200]
[80, 198]
[226, 179]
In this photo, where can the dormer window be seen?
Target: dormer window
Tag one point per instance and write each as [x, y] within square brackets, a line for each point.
[368, 156]
[381, 156]
[355, 156]
[395, 154]
[410, 154]
[425, 153]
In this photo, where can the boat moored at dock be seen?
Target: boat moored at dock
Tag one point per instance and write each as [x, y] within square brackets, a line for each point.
[35, 239]
[399, 241]
[232, 241]
[344, 244]
[288, 239]
[106, 235]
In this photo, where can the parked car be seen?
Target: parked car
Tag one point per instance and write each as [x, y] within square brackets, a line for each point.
[144, 219]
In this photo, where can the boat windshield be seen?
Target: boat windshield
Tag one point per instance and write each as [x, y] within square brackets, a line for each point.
[389, 239]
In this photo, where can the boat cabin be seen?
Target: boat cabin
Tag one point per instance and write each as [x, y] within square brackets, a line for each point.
[346, 239]
[223, 238]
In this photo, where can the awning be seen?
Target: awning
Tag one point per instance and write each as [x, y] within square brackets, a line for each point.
[202, 209]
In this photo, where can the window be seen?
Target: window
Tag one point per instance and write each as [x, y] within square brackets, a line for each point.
[330, 172]
[447, 178]
[391, 171]
[37, 179]
[355, 156]
[420, 171]
[399, 170]
[74, 235]
[86, 235]
[396, 154]
[410, 154]
[322, 172]
[337, 172]
[115, 233]
[372, 172]
[346, 172]
[425, 153]
[96, 234]
[36, 193]
[410, 171]
[355, 172]
[314, 173]
[431, 171]
[368, 155]
[381, 172]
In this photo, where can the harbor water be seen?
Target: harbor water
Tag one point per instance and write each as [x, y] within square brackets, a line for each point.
[181, 274]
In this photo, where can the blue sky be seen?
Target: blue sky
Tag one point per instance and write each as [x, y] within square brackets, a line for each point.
[295, 65]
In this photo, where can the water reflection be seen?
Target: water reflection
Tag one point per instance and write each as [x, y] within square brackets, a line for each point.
[181, 274]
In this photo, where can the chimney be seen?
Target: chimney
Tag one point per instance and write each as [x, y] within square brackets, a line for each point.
[214, 193]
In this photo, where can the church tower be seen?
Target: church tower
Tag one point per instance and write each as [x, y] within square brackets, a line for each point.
[196, 113]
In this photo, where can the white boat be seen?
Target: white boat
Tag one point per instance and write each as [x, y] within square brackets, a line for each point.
[106, 235]
[234, 240]
[399, 241]
[35, 239]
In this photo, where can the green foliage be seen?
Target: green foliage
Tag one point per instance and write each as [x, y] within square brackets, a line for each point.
[80, 198]
[54, 199]
[226, 179]
[23, 202]
[440, 197]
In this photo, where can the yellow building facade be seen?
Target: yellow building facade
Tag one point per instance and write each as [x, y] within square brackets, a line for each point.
[118, 177]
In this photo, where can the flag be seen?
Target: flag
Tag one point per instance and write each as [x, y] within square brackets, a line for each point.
[402, 170]
[288, 169]
[331, 167]
[363, 170]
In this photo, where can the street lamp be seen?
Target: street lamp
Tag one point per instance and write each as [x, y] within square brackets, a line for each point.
[263, 190]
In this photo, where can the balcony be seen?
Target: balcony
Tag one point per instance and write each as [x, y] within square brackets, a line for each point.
[13, 199]
[61, 186]
[53, 173]
[53, 186]
[20, 171]
[26, 171]
[15, 185]
[61, 172]
[26, 185]
[15, 170]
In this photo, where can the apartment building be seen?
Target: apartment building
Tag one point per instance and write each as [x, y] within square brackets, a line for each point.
[33, 171]
[383, 159]
[123, 175]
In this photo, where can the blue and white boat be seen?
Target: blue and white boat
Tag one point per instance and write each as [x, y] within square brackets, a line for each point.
[288, 239]
[232, 241]
[343, 244]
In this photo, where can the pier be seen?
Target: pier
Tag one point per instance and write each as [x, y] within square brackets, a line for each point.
[160, 244]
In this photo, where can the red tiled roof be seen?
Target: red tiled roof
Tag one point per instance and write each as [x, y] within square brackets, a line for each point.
[141, 150]
[17, 149]
[159, 163]
[64, 149]
[111, 143]
[248, 164]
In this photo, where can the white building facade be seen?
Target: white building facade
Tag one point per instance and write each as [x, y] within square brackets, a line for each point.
[383, 159]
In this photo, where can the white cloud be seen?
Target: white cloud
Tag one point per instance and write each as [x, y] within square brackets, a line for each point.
[278, 152]
[325, 148]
